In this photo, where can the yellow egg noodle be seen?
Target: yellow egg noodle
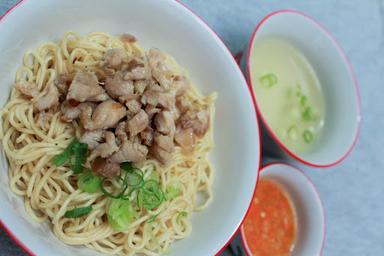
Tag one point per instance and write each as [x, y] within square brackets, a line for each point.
[30, 141]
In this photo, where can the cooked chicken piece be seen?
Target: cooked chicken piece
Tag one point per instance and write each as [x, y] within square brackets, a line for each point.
[183, 104]
[120, 131]
[165, 142]
[85, 87]
[63, 82]
[154, 98]
[117, 86]
[107, 114]
[165, 123]
[138, 123]
[147, 136]
[107, 148]
[50, 99]
[185, 138]
[175, 112]
[159, 68]
[71, 110]
[92, 138]
[133, 106]
[106, 168]
[140, 86]
[180, 85]
[129, 152]
[113, 58]
[43, 119]
[198, 121]
[161, 154]
[151, 111]
[28, 89]
[128, 38]
[138, 73]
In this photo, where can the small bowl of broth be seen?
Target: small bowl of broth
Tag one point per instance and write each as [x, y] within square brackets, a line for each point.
[286, 216]
[305, 90]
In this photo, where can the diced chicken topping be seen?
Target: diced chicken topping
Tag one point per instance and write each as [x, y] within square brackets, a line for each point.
[85, 87]
[106, 168]
[50, 99]
[117, 86]
[107, 148]
[155, 98]
[138, 123]
[138, 73]
[106, 115]
[147, 136]
[198, 121]
[28, 89]
[92, 138]
[165, 122]
[130, 107]
[128, 38]
[129, 152]
[113, 58]
[134, 106]
[185, 138]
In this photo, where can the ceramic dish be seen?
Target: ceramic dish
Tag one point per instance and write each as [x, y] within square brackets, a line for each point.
[339, 86]
[171, 27]
[307, 204]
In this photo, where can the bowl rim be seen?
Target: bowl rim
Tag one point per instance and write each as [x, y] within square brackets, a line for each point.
[26, 249]
[317, 194]
[351, 72]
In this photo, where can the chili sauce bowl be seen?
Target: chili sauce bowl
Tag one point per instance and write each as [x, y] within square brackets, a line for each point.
[306, 204]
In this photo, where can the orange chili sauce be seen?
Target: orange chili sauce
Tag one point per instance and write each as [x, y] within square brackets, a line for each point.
[270, 227]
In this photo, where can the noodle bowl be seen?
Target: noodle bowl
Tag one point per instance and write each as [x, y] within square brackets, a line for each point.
[30, 141]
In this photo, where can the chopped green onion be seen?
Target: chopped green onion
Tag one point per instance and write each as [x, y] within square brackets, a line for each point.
[126, 166]
[80, 151]
[108, 194]
[268, 80]
[151, 195]
[75, 153]
[181, 215]
[303, 100]
[78, 212]
[308, 136]
[308, 114]
[153, 218]
[89, 182]
[293, 133]
[134, 178]
[171, 192]
[120, 214]
[65, 156]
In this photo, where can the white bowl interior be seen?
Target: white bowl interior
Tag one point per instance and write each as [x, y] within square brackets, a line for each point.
[335, 75]
[306, 201]
[171, 27]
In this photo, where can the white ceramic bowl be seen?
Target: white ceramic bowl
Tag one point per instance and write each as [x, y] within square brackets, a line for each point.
[336, 76]
[173, 28]
[308, 206]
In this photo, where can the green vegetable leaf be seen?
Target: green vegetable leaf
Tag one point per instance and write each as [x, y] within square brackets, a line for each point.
[65, 156]
[78, 212]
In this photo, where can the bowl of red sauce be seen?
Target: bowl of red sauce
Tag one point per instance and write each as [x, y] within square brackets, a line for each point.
[286, 216]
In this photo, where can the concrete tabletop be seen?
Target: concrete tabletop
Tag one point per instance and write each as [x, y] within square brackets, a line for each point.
[353, 191]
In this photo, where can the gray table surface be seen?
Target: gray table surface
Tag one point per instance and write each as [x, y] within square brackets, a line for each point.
[352, 192]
